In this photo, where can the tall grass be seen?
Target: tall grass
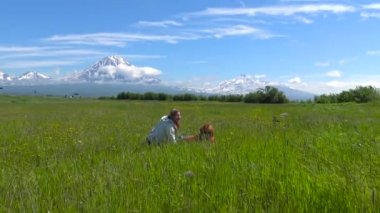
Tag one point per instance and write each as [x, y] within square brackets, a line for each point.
[88, 155]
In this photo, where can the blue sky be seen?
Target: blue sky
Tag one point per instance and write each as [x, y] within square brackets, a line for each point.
[317, 46]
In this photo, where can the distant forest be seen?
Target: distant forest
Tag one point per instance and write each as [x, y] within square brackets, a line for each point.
[269, 94]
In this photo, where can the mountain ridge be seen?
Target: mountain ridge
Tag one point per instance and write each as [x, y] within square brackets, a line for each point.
[116, 70]
[31, 75]
[244, 84]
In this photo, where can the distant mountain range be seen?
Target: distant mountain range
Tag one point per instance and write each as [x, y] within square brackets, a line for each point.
[28, 76]
[119, 75]
[244, 84]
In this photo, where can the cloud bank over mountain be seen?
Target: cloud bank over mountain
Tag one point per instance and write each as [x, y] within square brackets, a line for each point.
[111, 69]
[116, 69]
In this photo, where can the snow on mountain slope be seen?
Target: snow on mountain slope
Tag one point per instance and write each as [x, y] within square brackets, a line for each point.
[115, 68]
[5, 77]
[30, 76]
[244, 84]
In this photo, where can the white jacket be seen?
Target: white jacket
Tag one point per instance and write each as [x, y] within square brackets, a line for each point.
[165, 130]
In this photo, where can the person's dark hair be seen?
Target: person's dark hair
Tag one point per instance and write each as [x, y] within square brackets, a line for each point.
[171, 115]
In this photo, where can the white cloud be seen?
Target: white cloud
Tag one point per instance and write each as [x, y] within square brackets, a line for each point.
[143, 57]
[106, 39]
[371, 7]
[375, 6]
[295, 80]
[238, 30]
[334, 73]
[22, 52]
[260, 76]
[373, 52]
[337, 84]
[117, 39]
[22, 49]
[36, 63]
[232, 31]
[346, 85]
[164, 24]
[304, 20]
[132, 72]
[195, 83]
[366, 15]
[35, 51]
[277, 10]
[322, 64]
[122, 39]
[364, 80]
[150, 71]
[346, 60]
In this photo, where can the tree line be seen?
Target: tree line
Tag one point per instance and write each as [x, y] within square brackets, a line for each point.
[361, 94]
[269, 94]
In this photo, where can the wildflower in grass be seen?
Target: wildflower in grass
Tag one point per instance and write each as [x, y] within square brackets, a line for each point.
[275, 119]
[147, 165]
[189, 174]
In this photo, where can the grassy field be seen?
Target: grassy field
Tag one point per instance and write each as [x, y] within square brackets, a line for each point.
[87, 155]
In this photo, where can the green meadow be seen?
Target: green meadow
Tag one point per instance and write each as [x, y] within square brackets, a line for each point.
[87, 155]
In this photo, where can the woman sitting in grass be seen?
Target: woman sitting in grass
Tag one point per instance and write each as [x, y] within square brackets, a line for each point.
[167, 129]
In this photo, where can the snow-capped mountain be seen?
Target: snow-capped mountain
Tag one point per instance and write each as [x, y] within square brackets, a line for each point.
[116, 68]
[5, 77]
[244, 84]
[29, 76]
